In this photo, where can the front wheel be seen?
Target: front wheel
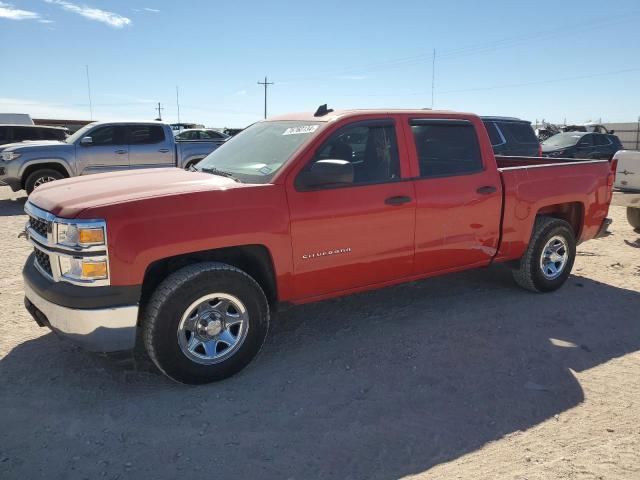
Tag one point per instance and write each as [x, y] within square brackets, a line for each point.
[205, 323]
[549, 258]
[40, 177]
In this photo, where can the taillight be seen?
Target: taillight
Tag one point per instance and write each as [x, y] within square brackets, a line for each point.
[539, 150]
[611, 178]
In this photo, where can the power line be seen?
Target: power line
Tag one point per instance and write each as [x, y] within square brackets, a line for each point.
[266, 85]
[433, 76]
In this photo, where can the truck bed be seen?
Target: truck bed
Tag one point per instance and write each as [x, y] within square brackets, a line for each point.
[534, 185]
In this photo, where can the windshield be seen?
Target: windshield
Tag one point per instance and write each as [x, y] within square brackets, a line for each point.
[79, 134]
[562, 140]
[257, 153]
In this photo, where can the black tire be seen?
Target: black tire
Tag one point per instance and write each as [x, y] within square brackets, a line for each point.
[529, 274]
[633, 217]
[39, 177]
[170, 302]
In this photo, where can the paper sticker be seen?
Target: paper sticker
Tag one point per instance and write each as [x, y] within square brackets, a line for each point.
[265, 170]
[299, 130]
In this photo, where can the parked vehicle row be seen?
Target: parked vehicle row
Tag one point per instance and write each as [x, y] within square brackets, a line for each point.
[295, 209]
[96, 148]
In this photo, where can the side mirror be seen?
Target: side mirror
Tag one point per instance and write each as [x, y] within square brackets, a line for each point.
[86, 141]
[326, 173]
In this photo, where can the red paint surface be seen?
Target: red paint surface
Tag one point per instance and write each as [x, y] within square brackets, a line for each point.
[448, 225]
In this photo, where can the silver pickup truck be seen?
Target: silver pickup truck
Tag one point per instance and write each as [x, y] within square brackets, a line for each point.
[96, 148]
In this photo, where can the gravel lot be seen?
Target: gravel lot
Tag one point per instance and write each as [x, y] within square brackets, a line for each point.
[464, 376]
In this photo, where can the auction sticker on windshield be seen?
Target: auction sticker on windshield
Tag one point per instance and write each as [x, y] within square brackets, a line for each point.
[300, 129]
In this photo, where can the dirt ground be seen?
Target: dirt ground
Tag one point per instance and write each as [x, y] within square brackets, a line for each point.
[465, 376]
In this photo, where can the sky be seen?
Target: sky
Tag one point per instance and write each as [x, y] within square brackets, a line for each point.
[573, 60]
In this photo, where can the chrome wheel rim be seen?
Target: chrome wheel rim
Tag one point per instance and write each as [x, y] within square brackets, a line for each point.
[554, 257]
[42, 180]
[213, 328]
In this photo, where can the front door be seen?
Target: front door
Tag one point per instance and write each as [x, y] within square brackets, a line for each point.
[459, 197]
[360, 234]
[106, 152]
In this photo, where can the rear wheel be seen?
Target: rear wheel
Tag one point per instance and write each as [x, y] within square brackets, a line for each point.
[549, 258]
[633, 217]
[205, 323]
[40, 177]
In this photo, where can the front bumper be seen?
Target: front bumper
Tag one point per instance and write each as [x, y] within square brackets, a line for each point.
[93, 318]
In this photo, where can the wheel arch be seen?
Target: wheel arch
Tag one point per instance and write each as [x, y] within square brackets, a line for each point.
[31, 167]
[255, 260]
[570, 212]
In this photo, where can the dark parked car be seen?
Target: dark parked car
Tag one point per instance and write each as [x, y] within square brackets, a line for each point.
[20, 133]
[512, 136]
[582, 145]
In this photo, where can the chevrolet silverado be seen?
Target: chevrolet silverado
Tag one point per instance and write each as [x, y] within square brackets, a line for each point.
[295, 209]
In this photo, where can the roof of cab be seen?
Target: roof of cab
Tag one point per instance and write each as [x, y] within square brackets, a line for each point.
[336, 114]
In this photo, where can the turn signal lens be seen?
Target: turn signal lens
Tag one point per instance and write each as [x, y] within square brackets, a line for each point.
[94, 269]
[91, 236]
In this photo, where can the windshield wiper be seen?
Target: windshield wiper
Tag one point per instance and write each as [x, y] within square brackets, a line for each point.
[215, 171]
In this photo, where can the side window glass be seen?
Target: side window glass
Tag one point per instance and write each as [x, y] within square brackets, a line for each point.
[602, 140]
[22, 133]
[586, 141]
[446, 149]
[372, 150]
[145, 134]
[104, 136]
[4, 134]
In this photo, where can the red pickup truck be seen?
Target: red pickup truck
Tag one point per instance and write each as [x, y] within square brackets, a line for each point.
[295, 209]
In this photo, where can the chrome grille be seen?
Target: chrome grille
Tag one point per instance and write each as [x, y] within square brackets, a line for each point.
[39, 225]
[42, 259]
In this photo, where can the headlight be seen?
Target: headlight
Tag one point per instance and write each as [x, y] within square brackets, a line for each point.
[83, 268]
[8, 156]
[79, 235]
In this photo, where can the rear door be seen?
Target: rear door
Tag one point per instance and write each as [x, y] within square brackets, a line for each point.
[107, 151]
[586, 147]
[604, 147]
[357, 235]
[458, 194]
[149, 146]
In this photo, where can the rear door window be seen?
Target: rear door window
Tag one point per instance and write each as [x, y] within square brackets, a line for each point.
[4, 134]
[521, 132]
[446, 148]
[602, 140]
[51, 134]
[145, 134]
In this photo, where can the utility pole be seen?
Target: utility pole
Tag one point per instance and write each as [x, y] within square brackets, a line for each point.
[266, 84]
[178, 102]
[433, 76]
[159, 108]
[89, 90]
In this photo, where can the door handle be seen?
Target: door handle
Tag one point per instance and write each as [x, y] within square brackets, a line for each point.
[163, 150]
[121, 152]
[398, 200]
[486, 190]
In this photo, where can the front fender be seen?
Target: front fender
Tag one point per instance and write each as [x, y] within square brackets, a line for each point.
[63, 162]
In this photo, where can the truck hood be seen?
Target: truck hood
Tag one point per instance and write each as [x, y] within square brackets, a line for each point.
[36, 146]
[67, 198]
